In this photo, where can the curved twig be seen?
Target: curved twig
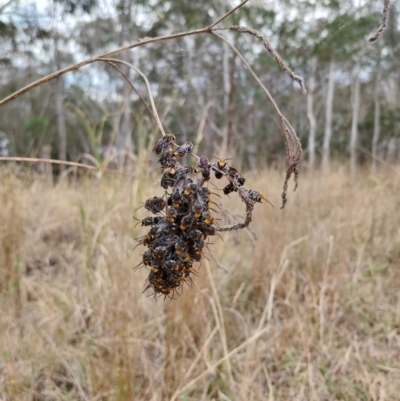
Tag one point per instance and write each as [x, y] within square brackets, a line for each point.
[294, 150]
[132, 86]
[153, 106]
[385, 18]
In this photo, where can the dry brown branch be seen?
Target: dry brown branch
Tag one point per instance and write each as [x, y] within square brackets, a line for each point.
[64, 163]
[270, 49]
[294, 150]
[385, 18]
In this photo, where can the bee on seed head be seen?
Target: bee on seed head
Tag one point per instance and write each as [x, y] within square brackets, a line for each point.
[167, 160]
[195, 235]
[176, 199]
[155, 205]
[184, 256]
[206, 229]
[159, 252]
[190, 188]
[147, 258]
[198, 246]
[228, 189]
[167, 181]
[255, 196]
[171, 214]
[186, 221]
[150, 221]
[163, 143]
[197, 209]
[184, 149]
[171, 265]
[236, 175]
[221, 165]
[207, 218]
[180, 246]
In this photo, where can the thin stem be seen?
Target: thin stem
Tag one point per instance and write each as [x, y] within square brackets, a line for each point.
[64, 163]
[153, 106]
[132, 86]
[251, 71]
[227, 14]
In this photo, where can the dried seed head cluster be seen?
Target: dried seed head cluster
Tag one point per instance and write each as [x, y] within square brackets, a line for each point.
[183, 218]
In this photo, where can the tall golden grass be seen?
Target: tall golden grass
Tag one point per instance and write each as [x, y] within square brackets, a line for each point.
[312, 313]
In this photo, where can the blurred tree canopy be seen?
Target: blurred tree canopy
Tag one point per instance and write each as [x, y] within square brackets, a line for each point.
[198, 78]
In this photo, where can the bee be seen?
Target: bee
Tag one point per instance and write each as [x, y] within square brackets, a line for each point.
[155, 205]
[171, 214]
[255, 196]
[167, 160]
[235, 174]
[221, 165]
[171, 265]
[160, 252]
[146, 241]
[180, 246]
[184, 257]
[163, 143]
[190, 188]
[167, 180]
[207, 218]
[206, 174]
[147, 258]
[169, 170]
[195, 235]
[206, 229]
[228, 189]
[204, 195]
[150, 221]
[203, 162]
[198, 246]
[197, 257]
[204, 165]
[197, 209]
[184, 149]
[186, 221]
[176, 199]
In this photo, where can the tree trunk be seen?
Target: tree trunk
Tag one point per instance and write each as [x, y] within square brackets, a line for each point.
[377, 117]
[354, 121]
[61, 130]
[326, 149]
[124, 138]
[227, 92]
[311, 116]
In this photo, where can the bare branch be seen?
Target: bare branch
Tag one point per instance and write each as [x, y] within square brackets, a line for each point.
[385, 18]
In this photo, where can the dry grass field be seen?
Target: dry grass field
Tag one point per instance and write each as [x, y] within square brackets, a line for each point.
[311, 313]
